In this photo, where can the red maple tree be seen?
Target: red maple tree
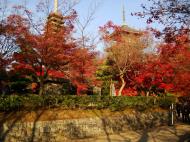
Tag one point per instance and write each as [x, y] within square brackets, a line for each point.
[178, 56]
[124, 51]
[83, 69]
[155, 77]
[41, 53]
[51, 53]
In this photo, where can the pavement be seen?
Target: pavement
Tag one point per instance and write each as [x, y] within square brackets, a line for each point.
[176, 133]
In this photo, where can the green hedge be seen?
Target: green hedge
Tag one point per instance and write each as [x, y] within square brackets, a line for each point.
[32, 102]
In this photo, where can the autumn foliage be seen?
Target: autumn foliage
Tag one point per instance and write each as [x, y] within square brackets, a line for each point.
[45, 53]
[48, 52]
[137, 72]
[124, 51]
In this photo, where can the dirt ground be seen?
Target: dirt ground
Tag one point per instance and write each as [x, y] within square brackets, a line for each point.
[176, 133]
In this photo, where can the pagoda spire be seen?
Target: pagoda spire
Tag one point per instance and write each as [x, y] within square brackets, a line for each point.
[55, 6]
[123, 15]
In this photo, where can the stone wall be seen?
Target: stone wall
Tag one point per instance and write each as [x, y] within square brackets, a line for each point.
[71, 129]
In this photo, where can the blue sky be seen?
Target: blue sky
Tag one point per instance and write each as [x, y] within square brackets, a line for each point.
[112, 10]
[108, 10]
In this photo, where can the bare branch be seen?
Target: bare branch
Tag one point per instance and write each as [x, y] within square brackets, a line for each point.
[83, 23]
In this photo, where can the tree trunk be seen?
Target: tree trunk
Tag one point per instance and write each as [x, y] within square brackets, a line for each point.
[122, 86]
[41, 92]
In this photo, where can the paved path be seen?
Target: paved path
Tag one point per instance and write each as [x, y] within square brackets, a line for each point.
[177, 133]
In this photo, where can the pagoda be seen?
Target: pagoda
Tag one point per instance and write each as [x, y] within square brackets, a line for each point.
[55, 19]
[127, 34]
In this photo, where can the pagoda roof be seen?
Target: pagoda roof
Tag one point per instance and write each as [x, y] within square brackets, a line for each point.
[56, 15]
[126, 30]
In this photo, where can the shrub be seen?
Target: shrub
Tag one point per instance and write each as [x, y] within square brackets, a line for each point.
[9, 103]
[165, 102]
[31, 102]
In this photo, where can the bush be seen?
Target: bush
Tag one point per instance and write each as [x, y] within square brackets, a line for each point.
[165, 102]
[10, 103]
[31, 102]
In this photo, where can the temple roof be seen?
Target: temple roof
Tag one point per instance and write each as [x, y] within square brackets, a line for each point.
[127, 29]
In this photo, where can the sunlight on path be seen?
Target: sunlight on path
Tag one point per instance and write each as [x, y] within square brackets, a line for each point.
[177, 133]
